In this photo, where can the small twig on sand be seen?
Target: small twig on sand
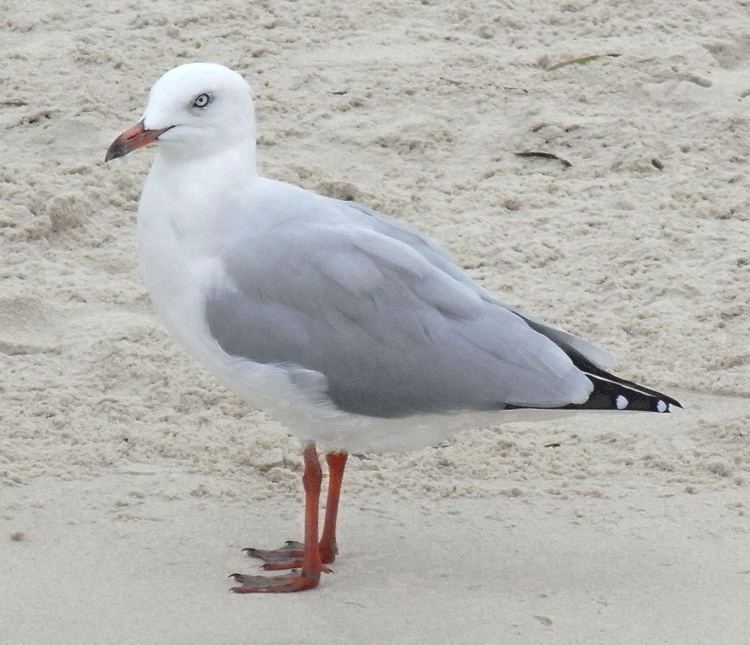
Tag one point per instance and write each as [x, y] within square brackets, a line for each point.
[544, 155]
[581, 60]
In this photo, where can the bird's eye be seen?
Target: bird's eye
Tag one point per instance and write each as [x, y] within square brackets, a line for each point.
[202, 100]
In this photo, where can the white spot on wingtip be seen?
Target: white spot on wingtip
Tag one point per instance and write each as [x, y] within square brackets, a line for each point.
[662, 406]
[621, 402]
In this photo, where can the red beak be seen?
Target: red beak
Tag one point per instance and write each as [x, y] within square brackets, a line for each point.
[131, 139]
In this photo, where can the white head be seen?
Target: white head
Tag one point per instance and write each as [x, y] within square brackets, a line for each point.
[194, 110]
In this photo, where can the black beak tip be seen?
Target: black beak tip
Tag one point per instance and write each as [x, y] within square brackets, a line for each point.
[114, 151]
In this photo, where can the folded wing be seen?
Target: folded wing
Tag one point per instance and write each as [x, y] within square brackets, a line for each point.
[392, 325]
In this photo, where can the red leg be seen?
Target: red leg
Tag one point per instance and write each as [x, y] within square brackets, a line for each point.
[309, 576]
[291, 554]
[336, 463]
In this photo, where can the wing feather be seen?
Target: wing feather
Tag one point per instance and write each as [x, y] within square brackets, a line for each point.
[393, 326]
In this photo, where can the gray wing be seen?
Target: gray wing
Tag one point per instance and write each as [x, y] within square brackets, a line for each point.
[437, 256]
[392, 331]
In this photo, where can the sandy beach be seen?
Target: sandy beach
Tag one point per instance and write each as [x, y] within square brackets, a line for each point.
[130, 480]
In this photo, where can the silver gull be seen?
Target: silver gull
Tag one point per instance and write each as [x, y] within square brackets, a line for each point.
[354, 329]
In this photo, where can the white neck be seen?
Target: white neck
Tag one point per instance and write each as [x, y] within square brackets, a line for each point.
[187, 213]
[189, 189]
[173, 164]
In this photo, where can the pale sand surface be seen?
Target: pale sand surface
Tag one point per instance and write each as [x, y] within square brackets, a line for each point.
[130, 480]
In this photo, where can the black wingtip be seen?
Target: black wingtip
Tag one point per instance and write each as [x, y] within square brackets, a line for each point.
[637, 397]
[675, 403]
[613, 393]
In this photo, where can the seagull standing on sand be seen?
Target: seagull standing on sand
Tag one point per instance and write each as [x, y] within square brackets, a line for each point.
[352, 328]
